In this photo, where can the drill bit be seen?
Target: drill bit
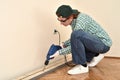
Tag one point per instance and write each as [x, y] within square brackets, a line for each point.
[44, 68]
[45, 64]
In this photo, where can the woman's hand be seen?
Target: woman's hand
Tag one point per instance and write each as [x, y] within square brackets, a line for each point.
[55, 55]
[63, 46]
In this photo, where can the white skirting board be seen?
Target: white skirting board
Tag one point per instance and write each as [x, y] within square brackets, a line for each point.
[33, 74]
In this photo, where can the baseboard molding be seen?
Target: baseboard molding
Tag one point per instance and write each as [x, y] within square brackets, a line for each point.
[34, 75]
[47, 72]
[112, 57]
[38, 73]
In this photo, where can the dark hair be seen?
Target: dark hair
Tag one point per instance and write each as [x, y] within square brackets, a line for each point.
[76, 14]
[66, 11]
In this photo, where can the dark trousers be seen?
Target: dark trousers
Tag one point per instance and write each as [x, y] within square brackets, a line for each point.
[85, 46]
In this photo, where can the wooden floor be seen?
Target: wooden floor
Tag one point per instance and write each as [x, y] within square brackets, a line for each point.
[107, 69]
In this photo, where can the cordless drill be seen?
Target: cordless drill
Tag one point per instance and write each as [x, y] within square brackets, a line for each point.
[53, 48]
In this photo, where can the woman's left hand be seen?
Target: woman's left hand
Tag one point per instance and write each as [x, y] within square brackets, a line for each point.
[55, 55]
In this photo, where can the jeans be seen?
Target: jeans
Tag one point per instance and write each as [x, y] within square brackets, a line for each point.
[85, 46]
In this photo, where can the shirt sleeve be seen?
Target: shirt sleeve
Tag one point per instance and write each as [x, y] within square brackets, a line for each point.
[65, 51]
[67, 43]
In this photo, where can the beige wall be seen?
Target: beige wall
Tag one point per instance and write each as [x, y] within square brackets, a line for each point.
[26, 30]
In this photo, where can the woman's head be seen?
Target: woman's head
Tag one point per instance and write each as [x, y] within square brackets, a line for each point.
[66, 14]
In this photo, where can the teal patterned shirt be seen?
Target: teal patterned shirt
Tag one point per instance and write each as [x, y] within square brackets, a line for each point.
[87, 24]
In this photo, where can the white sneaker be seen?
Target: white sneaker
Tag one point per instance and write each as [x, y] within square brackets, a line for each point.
[96, 60]
[78, 69]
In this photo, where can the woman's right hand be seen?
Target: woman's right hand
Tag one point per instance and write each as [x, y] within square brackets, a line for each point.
[62, 45]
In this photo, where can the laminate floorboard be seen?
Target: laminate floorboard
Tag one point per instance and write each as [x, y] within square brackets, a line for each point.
[107, 69]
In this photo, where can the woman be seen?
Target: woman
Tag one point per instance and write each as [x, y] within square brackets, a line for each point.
[88, 41]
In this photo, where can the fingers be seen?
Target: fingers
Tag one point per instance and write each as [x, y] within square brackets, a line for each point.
[63, 46]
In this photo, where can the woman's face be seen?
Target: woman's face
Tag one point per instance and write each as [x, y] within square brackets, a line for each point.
[65, 21]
